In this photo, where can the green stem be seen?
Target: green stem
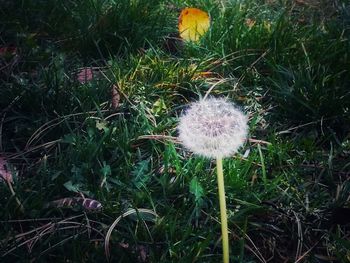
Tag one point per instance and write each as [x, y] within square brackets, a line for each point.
[223, 212]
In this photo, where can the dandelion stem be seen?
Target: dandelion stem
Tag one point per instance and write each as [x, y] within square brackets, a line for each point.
[223, 212]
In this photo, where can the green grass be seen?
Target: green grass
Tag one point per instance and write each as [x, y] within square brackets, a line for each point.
[287, 190]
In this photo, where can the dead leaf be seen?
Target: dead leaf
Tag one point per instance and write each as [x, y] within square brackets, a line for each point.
[85, 75]
[123, 245]
[5, 174]
[87, 203]
[115, 97]
[142, 253]
[8, 51]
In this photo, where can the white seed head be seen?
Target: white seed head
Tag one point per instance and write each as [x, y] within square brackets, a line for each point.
[213, 128]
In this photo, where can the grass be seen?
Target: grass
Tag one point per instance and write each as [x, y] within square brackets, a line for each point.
[286, 63]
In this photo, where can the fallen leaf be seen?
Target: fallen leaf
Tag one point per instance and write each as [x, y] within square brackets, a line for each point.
[115, 97]
[8, 51]
[5, 174]
[193, 24]
[142, 253]
[87, 203]
[85, 75]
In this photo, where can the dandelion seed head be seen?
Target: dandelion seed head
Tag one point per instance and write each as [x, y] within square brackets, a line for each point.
[213, 128]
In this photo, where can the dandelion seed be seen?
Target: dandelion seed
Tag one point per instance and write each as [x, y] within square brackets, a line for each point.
[213, 128]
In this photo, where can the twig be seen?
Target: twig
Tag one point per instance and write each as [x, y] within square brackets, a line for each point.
[111, 228]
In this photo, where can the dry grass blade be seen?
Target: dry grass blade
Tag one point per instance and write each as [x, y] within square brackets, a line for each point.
[302, 257]
[176, 140]
[51, 231]
[229, 58]
[127, 213]
[251, 67]
[50, 228]
[39, 232]
[300, 237]
[31, 241]
[221, 81]
[158, 137]
[251, 140]
[62, 242]
[46, 145]
[20, 237]
[1, 128]
[52, 123]
[13, 102]
[254, 250]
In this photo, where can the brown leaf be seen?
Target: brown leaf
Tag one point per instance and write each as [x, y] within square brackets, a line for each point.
[8, 51]
[87, 203]
[115, 97]
[124, 245]
[142, 253]
[85, 75]
[4, 172]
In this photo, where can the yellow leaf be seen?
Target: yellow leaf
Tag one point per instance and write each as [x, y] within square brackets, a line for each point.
[193, 23]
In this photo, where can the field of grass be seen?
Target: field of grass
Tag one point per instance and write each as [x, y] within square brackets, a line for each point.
[112, 139]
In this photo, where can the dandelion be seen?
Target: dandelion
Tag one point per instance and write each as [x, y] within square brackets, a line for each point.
[214, 128]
